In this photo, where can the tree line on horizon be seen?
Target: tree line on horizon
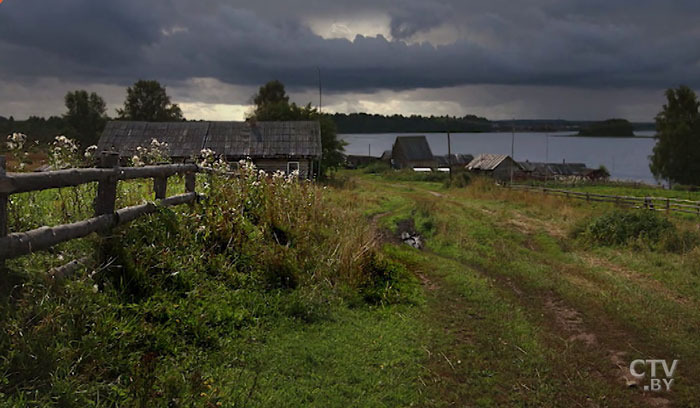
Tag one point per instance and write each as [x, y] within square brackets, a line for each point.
[676, 156]
[147, 100]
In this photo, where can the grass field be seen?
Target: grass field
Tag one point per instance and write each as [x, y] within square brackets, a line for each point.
[626, 189]
[321, 305]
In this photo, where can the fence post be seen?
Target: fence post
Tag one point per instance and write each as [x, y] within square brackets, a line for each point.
[160, 187]
[190, 182]
[190, 185]
[3, 218]
[106, 189]
[106, 199]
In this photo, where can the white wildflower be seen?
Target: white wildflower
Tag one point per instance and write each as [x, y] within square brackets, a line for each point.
[90, 152]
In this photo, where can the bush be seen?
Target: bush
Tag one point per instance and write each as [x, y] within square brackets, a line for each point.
[459, 180]
[640, 228]
[388, 282]
[411, 175]
[180, 288]
[377, 168]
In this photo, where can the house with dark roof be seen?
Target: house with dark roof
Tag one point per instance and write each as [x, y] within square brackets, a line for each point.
[272, 146]
[498, 166]
[411, 152]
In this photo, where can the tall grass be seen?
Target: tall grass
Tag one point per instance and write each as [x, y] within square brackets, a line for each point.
[162, 320]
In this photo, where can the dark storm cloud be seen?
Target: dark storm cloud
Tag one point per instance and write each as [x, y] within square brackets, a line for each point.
[591, 43]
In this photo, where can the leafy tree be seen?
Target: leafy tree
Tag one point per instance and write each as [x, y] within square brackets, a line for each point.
[148, 101]
[86, 116]
[676, 155]
[272, 103]
[271, 93]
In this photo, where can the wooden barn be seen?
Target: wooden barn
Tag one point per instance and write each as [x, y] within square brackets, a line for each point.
[272, 146]
[496, 165]
[411, 152]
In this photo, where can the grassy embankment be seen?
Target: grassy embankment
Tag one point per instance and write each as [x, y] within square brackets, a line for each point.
[264, 295]
[289, 299]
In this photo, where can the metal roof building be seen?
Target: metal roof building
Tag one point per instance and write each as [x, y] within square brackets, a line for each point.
[498, 165]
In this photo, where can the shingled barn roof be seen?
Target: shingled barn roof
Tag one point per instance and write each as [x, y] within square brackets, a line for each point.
[233, 139]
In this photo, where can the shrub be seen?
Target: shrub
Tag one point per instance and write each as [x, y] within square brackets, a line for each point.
[411, 175]
[388, 282]
[377, 168]
[640, 228]
[459, 180]
[178, 289]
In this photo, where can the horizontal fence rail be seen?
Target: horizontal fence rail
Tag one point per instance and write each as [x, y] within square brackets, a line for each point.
[13, 183]
[107, 175]
[649, 203]
[24, 243]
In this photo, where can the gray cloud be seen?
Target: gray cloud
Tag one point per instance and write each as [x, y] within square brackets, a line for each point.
[585, 44]
[589, 44]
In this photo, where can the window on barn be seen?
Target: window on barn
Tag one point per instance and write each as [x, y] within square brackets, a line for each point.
[292, 166]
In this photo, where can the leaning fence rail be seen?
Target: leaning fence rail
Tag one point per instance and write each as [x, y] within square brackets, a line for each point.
[107, 175]
[651, 203]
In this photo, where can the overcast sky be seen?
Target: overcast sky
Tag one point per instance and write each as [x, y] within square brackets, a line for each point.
[573, 59]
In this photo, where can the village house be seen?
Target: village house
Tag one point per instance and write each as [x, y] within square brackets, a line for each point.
[560, 171]
[498, 166]
[272, 146]
[412, 152]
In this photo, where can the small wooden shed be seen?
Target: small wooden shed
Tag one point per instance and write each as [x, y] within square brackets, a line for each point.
[272, 146]
[498, 166]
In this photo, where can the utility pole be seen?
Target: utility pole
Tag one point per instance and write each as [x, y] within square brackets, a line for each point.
[512, 150]
[369, 150]
[546, 160]
[320, 91]
[449, 154]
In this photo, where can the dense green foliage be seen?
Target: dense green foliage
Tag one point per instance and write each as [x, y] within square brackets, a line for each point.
[87, 116]
[37, 129]
[639, 229]
[368, 123]
[610, 127]
[148, 101]
[83, 121]
[186, 295]
[272, 103]
[622, 227]
[676, 155]
[271, 93]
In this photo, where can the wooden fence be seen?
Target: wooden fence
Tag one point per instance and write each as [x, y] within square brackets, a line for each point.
[107, 174]
[650, 203]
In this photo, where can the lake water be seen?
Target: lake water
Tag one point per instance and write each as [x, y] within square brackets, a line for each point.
[626, 158]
